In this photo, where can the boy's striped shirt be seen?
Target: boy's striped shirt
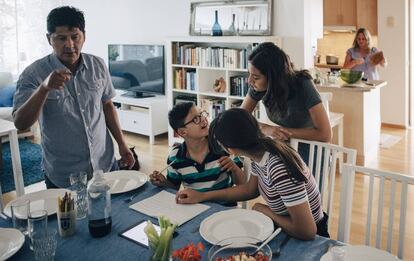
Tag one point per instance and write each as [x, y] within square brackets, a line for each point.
[201, 177]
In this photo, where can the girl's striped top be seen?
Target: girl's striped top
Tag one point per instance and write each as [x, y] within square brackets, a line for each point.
[280, 191]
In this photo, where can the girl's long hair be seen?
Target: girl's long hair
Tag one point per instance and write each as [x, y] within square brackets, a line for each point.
[236, 128]
[276, 66]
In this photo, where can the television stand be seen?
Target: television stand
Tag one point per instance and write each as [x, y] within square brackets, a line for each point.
[137, 95]
[146, 116]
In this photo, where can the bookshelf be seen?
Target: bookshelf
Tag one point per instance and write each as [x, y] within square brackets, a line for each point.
[198, 67]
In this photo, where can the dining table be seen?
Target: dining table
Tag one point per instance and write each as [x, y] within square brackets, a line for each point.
[82, 246]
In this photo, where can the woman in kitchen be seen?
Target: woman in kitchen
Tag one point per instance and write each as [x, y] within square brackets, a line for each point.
[290, 97]
[363, 56]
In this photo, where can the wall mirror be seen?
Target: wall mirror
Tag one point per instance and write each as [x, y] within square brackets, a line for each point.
[251, 17]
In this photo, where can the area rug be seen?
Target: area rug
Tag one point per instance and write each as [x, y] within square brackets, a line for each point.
[31, 157]
[387, 140]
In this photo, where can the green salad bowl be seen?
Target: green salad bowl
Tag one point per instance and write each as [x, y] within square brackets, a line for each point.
[351, 77]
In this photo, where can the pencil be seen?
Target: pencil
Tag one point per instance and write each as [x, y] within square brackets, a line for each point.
[172, 162]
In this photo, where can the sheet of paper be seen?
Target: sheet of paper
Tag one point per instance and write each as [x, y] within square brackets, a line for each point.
[163, 204]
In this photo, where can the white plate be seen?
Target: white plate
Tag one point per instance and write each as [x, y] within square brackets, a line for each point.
[40, 200]
[236, 223]
[11, 240]
[125, 180]
[362, 253]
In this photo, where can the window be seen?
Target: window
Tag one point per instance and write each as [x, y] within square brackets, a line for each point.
[23, 33]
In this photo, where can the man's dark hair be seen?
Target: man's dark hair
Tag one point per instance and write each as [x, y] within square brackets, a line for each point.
[65, 16]
[177, 114]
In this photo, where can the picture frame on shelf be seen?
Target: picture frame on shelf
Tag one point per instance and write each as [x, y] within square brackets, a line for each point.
[251, 17]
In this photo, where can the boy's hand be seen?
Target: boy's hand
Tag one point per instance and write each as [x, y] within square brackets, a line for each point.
[157, 179]
[226, 163]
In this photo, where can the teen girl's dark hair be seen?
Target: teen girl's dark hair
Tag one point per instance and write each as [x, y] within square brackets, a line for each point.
[65, 16]
[276, 66]
[238, 129]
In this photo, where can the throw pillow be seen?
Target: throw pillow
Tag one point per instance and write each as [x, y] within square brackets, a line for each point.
[6, 95]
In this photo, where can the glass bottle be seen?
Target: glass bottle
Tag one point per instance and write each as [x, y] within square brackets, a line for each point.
[232, 28]
[216, 30]
[99, 206]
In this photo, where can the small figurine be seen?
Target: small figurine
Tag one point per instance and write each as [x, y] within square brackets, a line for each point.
[219, 85]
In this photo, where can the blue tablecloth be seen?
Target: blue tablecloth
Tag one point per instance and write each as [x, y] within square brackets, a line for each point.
[82, 246]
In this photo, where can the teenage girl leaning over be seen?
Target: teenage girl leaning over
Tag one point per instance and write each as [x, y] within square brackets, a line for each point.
[279, 175]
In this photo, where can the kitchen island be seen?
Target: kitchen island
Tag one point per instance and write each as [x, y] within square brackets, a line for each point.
[360, 104]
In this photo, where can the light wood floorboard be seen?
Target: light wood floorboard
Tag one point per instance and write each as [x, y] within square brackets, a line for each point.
[398, 158]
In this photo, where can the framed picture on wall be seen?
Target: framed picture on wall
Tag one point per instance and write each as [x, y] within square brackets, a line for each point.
[251, 17]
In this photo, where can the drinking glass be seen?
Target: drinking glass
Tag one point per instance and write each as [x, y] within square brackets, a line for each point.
[20, 210]
[37, 224]
[44, 245]
[78, 182]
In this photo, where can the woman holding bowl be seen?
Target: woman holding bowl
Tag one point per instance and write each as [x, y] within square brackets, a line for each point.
[363, 56]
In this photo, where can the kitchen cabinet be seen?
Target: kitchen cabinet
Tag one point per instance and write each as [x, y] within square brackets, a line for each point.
[367, 15]
[339, 12]
[358, 13]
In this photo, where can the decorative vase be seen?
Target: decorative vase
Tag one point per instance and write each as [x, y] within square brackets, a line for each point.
[216, 30]
[232, 28]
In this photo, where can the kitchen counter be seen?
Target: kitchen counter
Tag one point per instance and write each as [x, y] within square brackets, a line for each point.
[328, 66]
[356, 87]
[360, 104]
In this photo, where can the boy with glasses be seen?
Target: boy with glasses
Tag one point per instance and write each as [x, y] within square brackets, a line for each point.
[192, 163]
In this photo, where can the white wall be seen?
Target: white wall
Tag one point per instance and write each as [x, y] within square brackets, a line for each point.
[393, 40]
[131, 22]
[139, 21]
[299, 23]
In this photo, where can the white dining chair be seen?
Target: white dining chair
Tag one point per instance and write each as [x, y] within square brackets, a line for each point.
[322, 164]
[396, 182]
[336, 119]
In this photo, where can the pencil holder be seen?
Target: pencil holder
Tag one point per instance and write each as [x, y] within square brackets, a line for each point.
[66, 222]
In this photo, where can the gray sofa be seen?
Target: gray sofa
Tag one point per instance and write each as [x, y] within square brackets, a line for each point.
[137, 75]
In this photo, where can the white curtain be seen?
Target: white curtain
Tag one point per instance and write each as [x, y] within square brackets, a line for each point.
[23, 33]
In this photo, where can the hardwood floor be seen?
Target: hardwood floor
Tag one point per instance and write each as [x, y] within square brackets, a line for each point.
[398, 158]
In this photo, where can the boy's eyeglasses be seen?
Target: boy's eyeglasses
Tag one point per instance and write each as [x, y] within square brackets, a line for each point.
[197, 119]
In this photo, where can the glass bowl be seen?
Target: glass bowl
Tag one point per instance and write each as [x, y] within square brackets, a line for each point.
[351, 77]
[226, 248]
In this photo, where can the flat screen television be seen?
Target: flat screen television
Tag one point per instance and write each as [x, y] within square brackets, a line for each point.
[137, 68]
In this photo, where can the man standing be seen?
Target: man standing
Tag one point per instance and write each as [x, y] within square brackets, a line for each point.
[70, 93]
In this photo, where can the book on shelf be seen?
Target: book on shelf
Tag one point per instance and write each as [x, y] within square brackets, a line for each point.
[209, 56]
[184, 79]
[239, 85]
[214, 106]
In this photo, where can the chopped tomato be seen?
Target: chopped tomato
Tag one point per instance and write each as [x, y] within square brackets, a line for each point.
[189, 252]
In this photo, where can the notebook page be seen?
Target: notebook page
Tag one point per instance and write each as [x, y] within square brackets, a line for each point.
[163, 204]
